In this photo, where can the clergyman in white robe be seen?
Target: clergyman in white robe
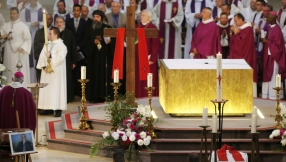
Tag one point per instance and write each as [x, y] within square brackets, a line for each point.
[176, 22]
[21, 38]
[29, 16]
[54, 96]
[69, 6]
[192, 22]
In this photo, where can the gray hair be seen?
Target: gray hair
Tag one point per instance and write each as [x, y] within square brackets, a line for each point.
[149, 13]
[60, 17]
[16, 79]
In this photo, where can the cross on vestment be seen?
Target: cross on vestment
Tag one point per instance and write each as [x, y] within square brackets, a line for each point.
[130, 35]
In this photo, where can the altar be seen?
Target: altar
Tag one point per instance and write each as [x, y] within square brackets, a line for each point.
[188, 85]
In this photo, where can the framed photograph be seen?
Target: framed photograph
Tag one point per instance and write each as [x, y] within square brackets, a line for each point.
[22, 142]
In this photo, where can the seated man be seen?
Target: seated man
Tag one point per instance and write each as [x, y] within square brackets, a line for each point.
[16, 97]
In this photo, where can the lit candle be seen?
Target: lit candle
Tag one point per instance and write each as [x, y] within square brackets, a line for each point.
[253, 123]
[205, 116]
[219, 77]
[116, 76]
[45, 26]
[149, 79]
[214, 124]
[83, 72]
[278, 80]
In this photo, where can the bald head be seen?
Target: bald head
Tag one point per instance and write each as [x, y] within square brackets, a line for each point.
[101, 7]
[84, 12]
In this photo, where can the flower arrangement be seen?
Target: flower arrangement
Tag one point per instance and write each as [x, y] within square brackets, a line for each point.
[3, 78]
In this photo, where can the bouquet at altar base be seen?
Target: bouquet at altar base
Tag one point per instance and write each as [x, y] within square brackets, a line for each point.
[282, 132]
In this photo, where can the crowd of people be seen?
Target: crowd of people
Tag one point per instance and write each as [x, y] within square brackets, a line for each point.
[239, 29]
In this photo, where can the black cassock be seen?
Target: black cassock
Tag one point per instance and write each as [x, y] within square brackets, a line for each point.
[99, 65]
[71, 58]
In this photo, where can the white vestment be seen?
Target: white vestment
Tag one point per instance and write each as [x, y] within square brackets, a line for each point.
[108, 10]
[150, 4]
[177, 21]
[21, 38]
[34, 12]
[245, 3]
[2, 21]
[248, 14]
[192, 22]
[69, 6]
[236, 8]
[11, 3]
[256, 18]
[54, 96]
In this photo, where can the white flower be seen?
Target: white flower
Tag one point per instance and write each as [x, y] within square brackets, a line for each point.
[149, 138]
[140, 142]
[146, 142]
[2, 67]
[145, 111]
[115, 135]
[133, 133]
[283, 142]
[3, 77]
[120, 132]
[271, 136]
[143, 134]
[128, 133]
[124, 138]
[105, 134]
[132, 137]
[141, 123]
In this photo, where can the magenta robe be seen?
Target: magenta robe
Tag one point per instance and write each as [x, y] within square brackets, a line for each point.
[242, 47]
[206, 40]
[276, 45]
[153, 45]
[25, 105]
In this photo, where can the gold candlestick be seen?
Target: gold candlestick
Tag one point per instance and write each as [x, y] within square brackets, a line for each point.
[83, 120]
[278, 117]
[115, 87]
[150, 120]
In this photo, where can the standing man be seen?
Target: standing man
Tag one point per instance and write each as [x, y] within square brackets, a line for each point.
[84, 15]
[206, 39]
[217, 10]
[68, 5]
[99, 66]
[274, 57]
[17, 46]
[116, 19]
[259, 13]
[224, 29]
[53, 96]
[66, 14]
[242, 46]
[71, 57]
[226, 9]
[168, 17]
[249, 12]
[24, 145]
[32, 16]
[108, 6]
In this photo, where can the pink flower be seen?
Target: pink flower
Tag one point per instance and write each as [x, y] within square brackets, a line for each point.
[282, 132]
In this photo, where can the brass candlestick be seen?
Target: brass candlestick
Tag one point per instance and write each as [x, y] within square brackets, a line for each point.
[49, 66]
[150, 120]
[115, 87]
[83, 120]
[278, 117]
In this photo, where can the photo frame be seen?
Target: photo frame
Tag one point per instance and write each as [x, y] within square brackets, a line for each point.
[22, 142]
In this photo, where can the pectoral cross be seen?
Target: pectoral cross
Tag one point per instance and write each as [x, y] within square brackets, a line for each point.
[130, 34]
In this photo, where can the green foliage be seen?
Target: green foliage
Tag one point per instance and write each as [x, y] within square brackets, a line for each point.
[106, 142]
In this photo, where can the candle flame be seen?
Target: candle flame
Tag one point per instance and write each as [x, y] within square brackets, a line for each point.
[44, 11]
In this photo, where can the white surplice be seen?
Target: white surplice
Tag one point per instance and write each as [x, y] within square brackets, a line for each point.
[69, 6]
[54, 96]
[21, 38]
[34, 12]
[177, 21]
[191, 22]
[248, 14]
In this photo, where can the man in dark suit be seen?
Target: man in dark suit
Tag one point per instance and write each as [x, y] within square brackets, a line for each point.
[24, 145]
[84, 15]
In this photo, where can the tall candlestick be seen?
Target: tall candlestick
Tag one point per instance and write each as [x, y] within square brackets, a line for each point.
[214, 124]
[116, 76]
[45, 26]
[219, 77]
[253, 123]
[83, 72]
[278, 80]
[149, 80]
[205, 116]
[254, 110]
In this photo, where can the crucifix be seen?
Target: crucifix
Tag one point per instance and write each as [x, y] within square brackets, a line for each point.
[130, 34]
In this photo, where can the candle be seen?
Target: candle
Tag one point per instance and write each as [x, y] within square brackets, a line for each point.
[116, 76]
[278, 80]
[149, 80]
[83, 72]
[253, 123]
[254, 110]
[214, 124]
[219, 77]
[45, 26]
[205, 116]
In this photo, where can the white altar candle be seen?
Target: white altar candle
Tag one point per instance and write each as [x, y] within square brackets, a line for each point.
[205, 116]
[116, 76]
[149, 80]
[253, 123]
[214, 124]
[254, 110]
[83, 72]
[218, 77]
[278, 80]
[45, 25]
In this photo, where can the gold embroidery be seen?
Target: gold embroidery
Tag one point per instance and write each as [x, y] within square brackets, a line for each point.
[175, 10]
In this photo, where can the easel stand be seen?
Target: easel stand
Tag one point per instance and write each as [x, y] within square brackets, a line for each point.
[214, 146]
[219, 105]
[204, 143]
[17, 158]
[255, 157]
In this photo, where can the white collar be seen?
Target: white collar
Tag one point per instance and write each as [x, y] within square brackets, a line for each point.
[16, 85]
[251, 9]
[207, 21]
[28, 6]
[272, 26]
[16, 21]
[169, 1]
[56, 41]
[245, 25]
[145, 23]
[230, 16]
[223, 26]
